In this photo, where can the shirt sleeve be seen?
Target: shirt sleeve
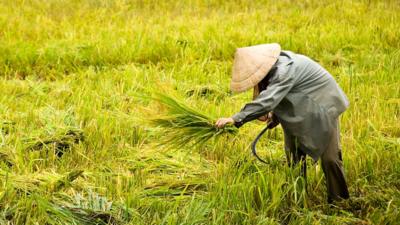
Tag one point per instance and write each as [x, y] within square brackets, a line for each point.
[267, 100]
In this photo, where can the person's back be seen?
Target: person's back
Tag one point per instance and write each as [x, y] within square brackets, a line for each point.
[311, 103]
[317, 83]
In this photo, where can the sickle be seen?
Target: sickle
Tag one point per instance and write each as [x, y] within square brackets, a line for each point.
[254, 143]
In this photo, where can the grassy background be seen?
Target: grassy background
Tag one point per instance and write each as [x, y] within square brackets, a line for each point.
[69, 74]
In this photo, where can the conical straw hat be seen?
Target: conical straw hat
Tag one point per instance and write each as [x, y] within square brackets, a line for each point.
[252, 64]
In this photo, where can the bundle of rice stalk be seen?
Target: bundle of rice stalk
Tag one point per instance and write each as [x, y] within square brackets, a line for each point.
[47, 182]
[184, 126]
[61, 140]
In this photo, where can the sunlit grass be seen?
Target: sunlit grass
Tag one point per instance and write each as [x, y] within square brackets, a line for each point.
[71, 73]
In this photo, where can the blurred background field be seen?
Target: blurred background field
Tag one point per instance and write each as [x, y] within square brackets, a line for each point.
[76, 148]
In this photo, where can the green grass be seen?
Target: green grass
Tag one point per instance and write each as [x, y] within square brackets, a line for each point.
[71, 73]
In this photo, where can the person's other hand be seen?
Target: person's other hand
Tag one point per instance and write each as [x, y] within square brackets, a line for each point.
[273, 120]
[222, 122]
[266, 118]
[263, 118]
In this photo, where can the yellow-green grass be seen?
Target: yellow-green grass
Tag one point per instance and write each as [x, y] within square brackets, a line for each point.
[80, 65]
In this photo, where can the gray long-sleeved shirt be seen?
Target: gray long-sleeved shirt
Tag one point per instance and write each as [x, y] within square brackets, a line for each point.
[305, 98]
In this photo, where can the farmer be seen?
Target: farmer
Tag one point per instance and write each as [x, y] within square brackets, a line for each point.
[295, 91]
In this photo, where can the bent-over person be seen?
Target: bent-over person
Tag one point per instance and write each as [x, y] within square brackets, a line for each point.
[295, 91]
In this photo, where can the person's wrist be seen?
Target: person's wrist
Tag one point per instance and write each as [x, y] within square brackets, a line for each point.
[237, 121]
[236, 118]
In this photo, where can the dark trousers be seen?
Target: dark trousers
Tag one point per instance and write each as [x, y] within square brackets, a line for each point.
[331, 162]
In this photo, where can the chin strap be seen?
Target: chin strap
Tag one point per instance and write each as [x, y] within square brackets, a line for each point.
[254, 143]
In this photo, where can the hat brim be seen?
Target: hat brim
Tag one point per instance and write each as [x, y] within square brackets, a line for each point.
[253, 77]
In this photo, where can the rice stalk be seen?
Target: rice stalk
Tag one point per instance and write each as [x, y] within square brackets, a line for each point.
[61, 141]
[41, 198]
[46, 182]
[184, 126]
[55, 210]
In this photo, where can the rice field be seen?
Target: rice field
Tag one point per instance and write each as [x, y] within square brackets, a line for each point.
[78, 138]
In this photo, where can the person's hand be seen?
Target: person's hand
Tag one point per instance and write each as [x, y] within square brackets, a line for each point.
[273, 120]
[222, 122]
[266, 118]
[263, 118]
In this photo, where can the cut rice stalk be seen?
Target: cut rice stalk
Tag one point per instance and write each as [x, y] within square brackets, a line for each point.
[185, 126]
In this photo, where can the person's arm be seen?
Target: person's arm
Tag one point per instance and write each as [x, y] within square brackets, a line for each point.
[268, 99]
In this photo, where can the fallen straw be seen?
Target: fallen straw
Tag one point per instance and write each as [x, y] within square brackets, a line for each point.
[184, 126]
